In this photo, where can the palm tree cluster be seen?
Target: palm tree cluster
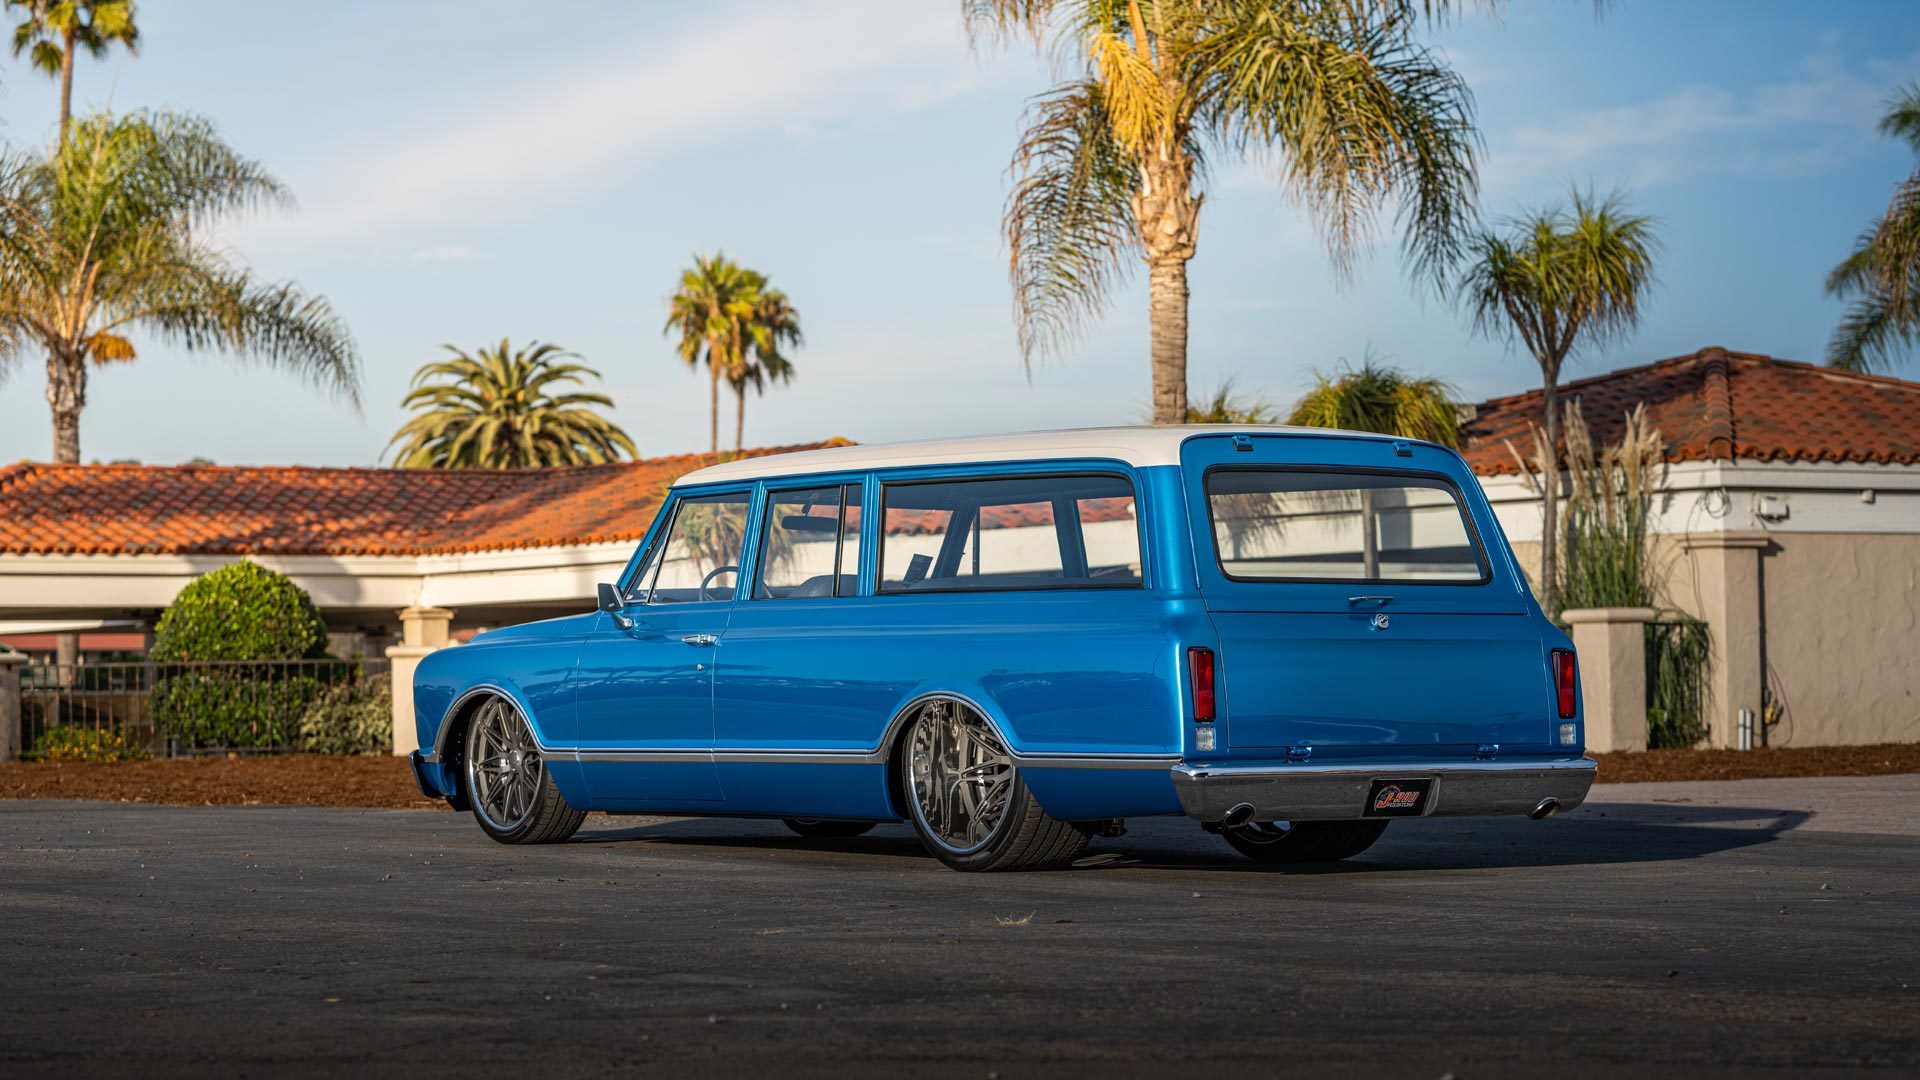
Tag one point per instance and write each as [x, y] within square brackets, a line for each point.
[107, 234]
[498, 409]
[1354, 115]
[1881, 277]
[729, 318]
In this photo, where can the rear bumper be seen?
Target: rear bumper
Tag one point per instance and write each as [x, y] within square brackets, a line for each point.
[1331, 792]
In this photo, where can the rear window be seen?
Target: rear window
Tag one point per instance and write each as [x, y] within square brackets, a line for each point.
[1044, 532]
[1292, 525]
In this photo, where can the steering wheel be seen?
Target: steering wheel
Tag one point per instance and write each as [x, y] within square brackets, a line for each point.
[714, 573]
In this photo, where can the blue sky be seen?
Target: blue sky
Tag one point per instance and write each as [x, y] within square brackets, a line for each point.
[465, 174]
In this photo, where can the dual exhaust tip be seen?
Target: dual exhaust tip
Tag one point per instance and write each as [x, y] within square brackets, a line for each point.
[1241, 813]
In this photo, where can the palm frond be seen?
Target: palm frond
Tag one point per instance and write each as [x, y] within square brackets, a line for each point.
[1068, 221]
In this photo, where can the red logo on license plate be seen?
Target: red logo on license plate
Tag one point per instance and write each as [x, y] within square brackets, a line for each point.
[1394, 797]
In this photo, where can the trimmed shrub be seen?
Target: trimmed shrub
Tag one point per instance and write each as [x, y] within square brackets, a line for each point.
[86, 744]
[241, 707]
[351, 718]
[242, 611]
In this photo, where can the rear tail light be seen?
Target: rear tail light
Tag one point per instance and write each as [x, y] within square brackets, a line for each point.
[1563, 676]
[1200, 670]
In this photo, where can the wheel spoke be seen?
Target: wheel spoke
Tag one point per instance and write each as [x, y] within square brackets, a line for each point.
[961, 776]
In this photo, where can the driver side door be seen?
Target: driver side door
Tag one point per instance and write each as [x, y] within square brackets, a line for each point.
[645, 688]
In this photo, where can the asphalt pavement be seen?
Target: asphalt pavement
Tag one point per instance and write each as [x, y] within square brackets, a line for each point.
[1767, 927]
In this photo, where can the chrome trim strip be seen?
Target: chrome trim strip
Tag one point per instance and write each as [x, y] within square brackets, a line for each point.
[1095, 761]
[1337, 792]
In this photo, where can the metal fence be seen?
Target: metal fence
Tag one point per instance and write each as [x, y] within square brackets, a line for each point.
[188, 709]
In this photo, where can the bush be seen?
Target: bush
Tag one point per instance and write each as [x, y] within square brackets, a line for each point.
[241, 707]
[242, 611]
[351, 718]
[86, 744]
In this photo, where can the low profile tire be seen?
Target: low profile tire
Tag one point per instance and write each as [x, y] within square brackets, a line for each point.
[513, 797]
[967, 801]
[821, 829]
[1303, 841]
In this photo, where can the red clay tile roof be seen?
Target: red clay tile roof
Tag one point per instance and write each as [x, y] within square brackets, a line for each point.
[293, 510]
[1720, 405]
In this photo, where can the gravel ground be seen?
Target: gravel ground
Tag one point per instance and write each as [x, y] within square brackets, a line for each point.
[1723, 929]
[385, 781]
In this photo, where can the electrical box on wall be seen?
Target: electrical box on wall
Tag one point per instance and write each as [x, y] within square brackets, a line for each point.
[1770, 507]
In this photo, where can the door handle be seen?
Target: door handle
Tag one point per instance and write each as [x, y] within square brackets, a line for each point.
[700, 639]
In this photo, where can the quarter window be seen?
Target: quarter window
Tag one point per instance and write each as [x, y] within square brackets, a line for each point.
[700, 559]
[1285, 525]
[812, 545]
[1045, 532]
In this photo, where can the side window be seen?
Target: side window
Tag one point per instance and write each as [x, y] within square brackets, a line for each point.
[1046, 532]
[700, 559]
[812, 543]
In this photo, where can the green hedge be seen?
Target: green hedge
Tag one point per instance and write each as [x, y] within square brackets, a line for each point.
[242, 707]
[351, 718]
[242, 611]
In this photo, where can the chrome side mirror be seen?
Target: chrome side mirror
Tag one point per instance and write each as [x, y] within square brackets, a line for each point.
[613, 604]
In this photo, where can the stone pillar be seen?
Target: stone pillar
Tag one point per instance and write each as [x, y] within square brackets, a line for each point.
[423, 630]
[10, 711]
[1727, 579]
[1612, 646]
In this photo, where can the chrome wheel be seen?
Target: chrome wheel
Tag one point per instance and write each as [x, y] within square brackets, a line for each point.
[504, 768]
[960, 775]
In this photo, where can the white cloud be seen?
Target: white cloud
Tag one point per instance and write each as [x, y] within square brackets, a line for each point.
[1815, 122]
[792, 69]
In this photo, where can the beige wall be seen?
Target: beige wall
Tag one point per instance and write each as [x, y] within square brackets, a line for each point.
[1838, 640]
[1843, 637]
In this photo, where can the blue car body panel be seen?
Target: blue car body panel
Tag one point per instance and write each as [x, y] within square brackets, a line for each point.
[794, 708]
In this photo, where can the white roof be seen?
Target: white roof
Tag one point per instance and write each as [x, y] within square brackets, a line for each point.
[1136, 446]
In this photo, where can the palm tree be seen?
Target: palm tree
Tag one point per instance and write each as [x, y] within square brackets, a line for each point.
[1228, 406]
[728, 317]
[53, 30]
[109, 236]
[1883, 273]
[1353, 114]
[1383, 399]
[1558, 280]
[775, 324]
[496, 410]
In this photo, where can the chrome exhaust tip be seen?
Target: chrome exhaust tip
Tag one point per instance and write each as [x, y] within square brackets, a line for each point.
[1548, 807]
[1238, 816]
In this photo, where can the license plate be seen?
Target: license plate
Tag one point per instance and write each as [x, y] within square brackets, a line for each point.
[1399, 797]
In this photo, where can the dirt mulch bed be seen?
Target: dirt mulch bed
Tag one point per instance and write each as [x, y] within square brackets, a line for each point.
[312, 779]
[386, 781]
[1879, 760]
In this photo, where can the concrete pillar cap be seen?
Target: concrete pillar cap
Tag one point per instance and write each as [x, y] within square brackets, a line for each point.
[1610, 615]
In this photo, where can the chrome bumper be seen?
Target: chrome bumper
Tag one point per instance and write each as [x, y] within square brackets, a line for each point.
[1332, 792]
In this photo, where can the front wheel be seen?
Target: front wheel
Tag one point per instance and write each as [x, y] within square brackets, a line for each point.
[513, 797]
[1303, 841]
[967, 801]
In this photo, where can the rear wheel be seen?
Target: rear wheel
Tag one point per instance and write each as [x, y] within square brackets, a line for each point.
[966, 799]
[1303, 841]
[514, 799]
[821, 829]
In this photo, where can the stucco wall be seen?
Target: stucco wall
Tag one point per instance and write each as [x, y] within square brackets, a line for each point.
[1842, 637]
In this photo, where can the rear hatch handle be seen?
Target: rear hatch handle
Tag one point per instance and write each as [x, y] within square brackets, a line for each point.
[1378, 601]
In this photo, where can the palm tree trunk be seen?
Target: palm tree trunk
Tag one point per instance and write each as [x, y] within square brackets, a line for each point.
[1167, 212]
[66, 86]
[1550, 495]
[713, 406]
[739, 418]
[66, 395]
[1167, 279]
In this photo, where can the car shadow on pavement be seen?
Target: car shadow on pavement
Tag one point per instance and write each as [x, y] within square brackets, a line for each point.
[1616, 833]
[1597, 834]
